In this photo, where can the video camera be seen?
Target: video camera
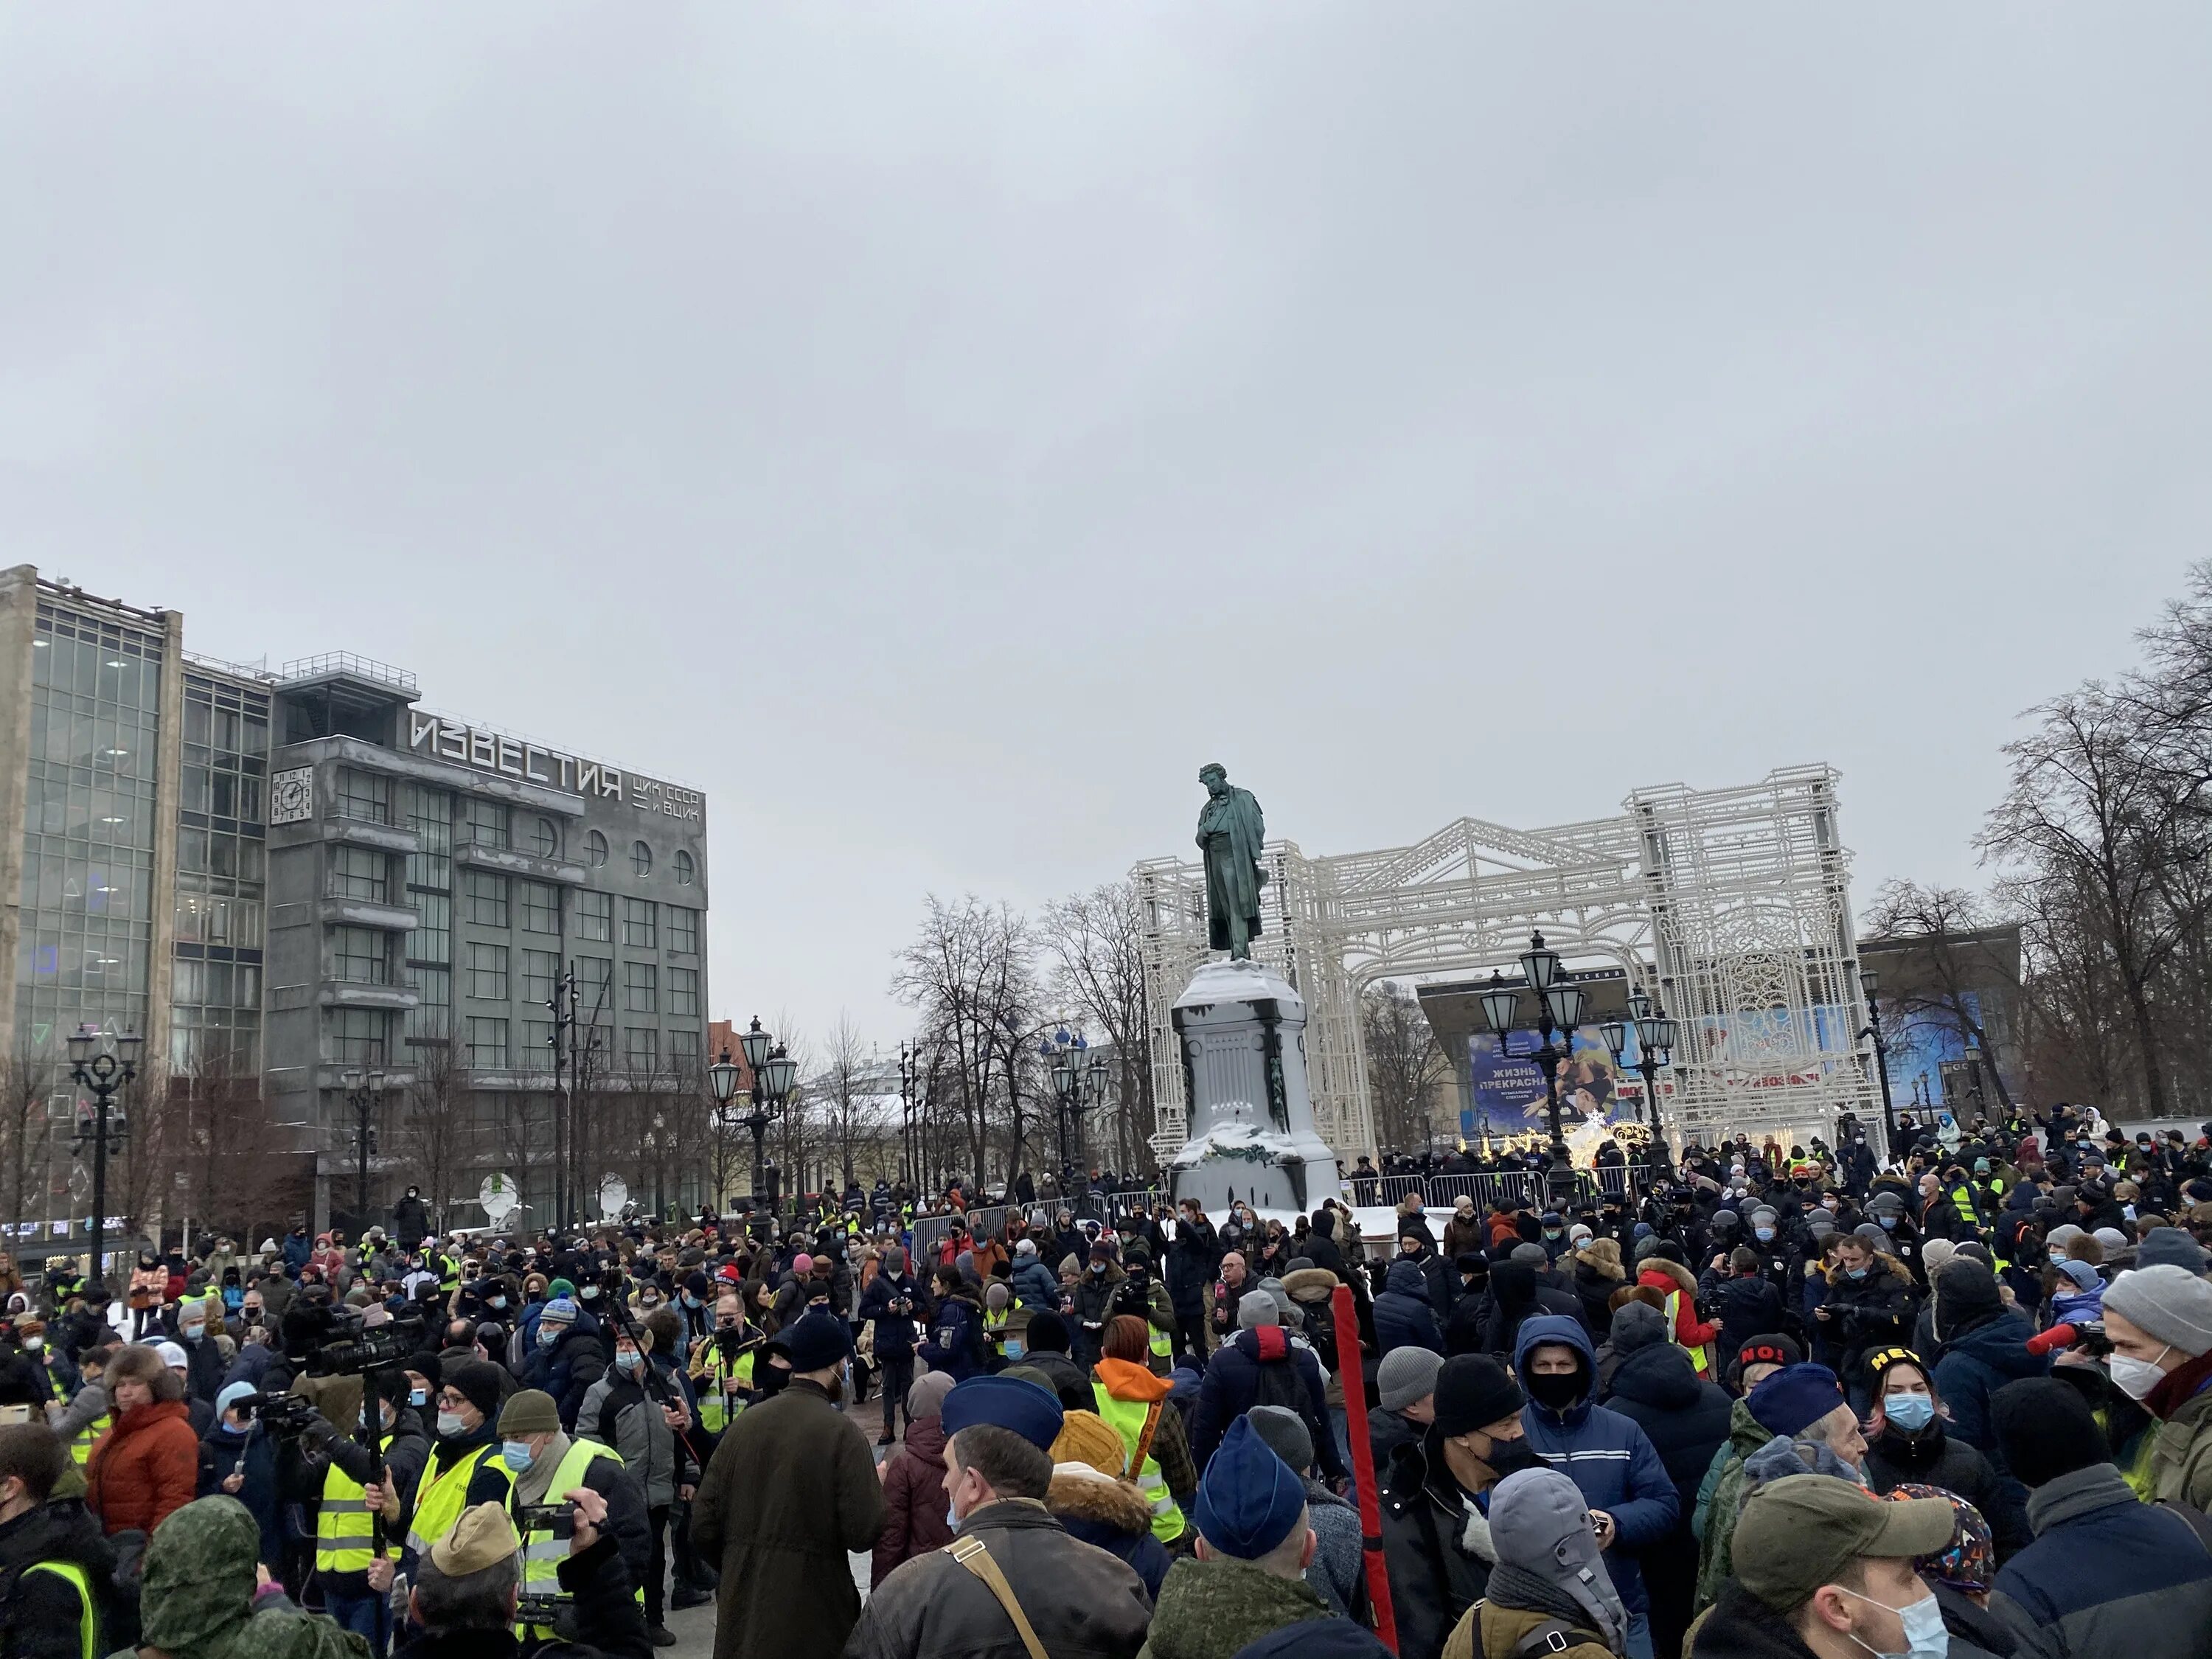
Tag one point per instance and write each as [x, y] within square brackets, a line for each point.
[353, 1351]
[284, 1415]
[2086, 1334]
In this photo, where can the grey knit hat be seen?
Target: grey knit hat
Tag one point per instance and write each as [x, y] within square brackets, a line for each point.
[1257, 1308]
[2169, 1303]
[1405, 1377]
[2170, 1247]
[1286, 1435]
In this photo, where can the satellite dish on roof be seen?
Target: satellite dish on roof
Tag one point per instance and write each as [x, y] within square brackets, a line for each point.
[614, 1193]
[499, 1199]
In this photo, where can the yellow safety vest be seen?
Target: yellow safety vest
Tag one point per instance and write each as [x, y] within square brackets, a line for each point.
[713, 1415]
[442, 1496]
[1128, 1417]
[343, 1527]
[1700, 1358]
[81, 1445]
[87, 1621]
[541, 1552]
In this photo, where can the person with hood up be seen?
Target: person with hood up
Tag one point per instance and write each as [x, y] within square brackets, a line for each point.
[1338, 1571]
[1908, 1443]
[1516, 1294]
[1436, 1496]
[1983, 1348]
[1245, 1595]
[1636, 1323]
[913, 1482]
[1403, 1315]
[1606, 1454]
[2107, 1573]
[1686, 1417]
[1260, 1365]
[1550, 1592]
[1132, 1399]
[1096, 1503]
[200, 1595]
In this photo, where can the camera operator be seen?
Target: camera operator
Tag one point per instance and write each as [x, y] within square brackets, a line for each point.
[547, 1463]
[467, 1588]
[344, 1538]
[465, 1469]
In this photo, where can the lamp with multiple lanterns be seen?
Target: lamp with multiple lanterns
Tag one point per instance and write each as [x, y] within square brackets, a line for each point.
[1655, 1051]
[103, 1071]
[774, 1073]
[1077, 1086]
[1559, 1006]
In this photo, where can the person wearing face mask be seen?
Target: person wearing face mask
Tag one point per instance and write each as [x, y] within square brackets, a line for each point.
[1908, 1443]
[205, 1364]
[643, 1416]
[2158, 1320]
[1608, 1456]
[343, 1520]
[791, 1490]
[465, 1468]
[2107, 1573]
[568, 1358]
[545, 1463]
[55, 1566]
[1823, 1568]
[1436, 1495]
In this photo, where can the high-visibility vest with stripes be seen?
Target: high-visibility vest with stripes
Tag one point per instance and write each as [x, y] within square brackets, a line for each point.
[713, 1415]
[1701, 1358]
[443, 1494]
[541, 1552]
[343, 1527]
[1128, 1417]
[88, 1618]
[79, 1447]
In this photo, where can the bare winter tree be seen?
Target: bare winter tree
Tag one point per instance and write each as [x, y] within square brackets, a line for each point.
[1961, 962]
[969, 975]
[435, 1127]
[26, 1081]
[1094, 957]
[844, 1093]
[1405, 1066]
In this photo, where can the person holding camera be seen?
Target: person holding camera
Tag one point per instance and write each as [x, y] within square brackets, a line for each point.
[892, 1302]
[468, 1589]
[546, 1464]
[350, 1499]
[641, 1414]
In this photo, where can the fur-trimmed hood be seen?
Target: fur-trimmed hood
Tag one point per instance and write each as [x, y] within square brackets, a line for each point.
[1080, 1491]
[1310, 1284]
[1683, 1279]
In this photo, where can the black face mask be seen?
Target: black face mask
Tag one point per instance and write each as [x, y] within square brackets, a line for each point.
[1554, 1390]
[1512, 1456]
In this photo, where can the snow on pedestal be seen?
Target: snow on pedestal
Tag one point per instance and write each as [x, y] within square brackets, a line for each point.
[1252, 1135]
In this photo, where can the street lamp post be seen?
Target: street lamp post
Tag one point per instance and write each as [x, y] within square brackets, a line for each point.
[909, 1087]
[1655, 1047]
[103, 1072]
[1559, 1004]
[722, 1078]
[774, 1073]
[1880, 1057]
[364, 1090]
[1078, 1087]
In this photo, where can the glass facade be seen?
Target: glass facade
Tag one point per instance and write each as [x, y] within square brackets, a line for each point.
[222, 873]
[89, 829]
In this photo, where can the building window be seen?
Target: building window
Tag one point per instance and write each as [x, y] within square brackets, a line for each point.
[431, 1019]
[360, 956]
[487, 823]
[684, 868]
[487, 972]
[360, 872]
[683, 991]
[486, 1042]
[431, 939]
[593, 980]
[639, 931]
[641, 857]
[641, 1048]
[595, 848]
[541, 971]
[640, 988]
[363, 796]
[683, 1050]
[538, 1044]
[357, 1036]
[683, 930]
[595, 916]
[541, 907]
[487, 894]
[545, 838]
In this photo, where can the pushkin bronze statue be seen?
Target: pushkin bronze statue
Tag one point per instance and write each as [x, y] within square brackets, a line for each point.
[1230, 831]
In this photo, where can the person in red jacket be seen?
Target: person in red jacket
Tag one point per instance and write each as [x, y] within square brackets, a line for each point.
[1671, 1277]
[913, 1482]
[145, 1466]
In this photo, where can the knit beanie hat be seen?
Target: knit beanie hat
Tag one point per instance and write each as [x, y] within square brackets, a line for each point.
[2044, 1429]
[2169, 1303]
[476, 1383]
[1794, 1399]
[1286, 1435]
[1935, 1252]
[529, 1411]
[2170, 1247]
[1966, 1293]
[1047, 1332]
[1248, 1499]
[1473, 1391]
[1405, 1377]
[1257, 1309]
[1087, 1438]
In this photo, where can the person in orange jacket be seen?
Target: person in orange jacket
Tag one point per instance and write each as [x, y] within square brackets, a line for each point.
[1667, 1271]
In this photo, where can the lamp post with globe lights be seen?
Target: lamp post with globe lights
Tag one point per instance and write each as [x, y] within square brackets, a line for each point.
[1559, 1006]
[103, 1071]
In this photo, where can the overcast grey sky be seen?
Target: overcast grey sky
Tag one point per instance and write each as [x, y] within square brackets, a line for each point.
[936, 429]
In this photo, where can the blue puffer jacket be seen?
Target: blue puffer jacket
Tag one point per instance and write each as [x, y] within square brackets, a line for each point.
[1974, 1365]
[1035, 1286]
[1606, 1454]
[1403, 1317]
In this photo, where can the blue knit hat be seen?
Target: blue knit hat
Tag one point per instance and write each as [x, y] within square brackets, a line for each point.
[1004, 1403]
[1794, 1399]
[1249, 1499]
[560, 1309]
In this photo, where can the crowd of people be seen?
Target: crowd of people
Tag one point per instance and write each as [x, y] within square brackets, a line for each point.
[1943, 1397]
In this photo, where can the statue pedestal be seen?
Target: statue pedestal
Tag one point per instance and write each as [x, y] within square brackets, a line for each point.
[1242, 1034]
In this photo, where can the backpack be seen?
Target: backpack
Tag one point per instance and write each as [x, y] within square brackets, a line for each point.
[1279, 1384]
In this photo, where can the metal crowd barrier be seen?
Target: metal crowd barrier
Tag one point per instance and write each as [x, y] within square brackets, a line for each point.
[1515, 1187]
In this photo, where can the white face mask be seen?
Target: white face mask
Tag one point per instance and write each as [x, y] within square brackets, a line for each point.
[1925, 1635]
[2137, 1377]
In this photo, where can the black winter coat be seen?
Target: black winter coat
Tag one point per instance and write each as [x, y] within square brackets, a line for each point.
[1866, 1314]
[1746, 1306]
[1934, 1458]
[1404, 1316]
[1685, 1418]
[1435, 1575]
